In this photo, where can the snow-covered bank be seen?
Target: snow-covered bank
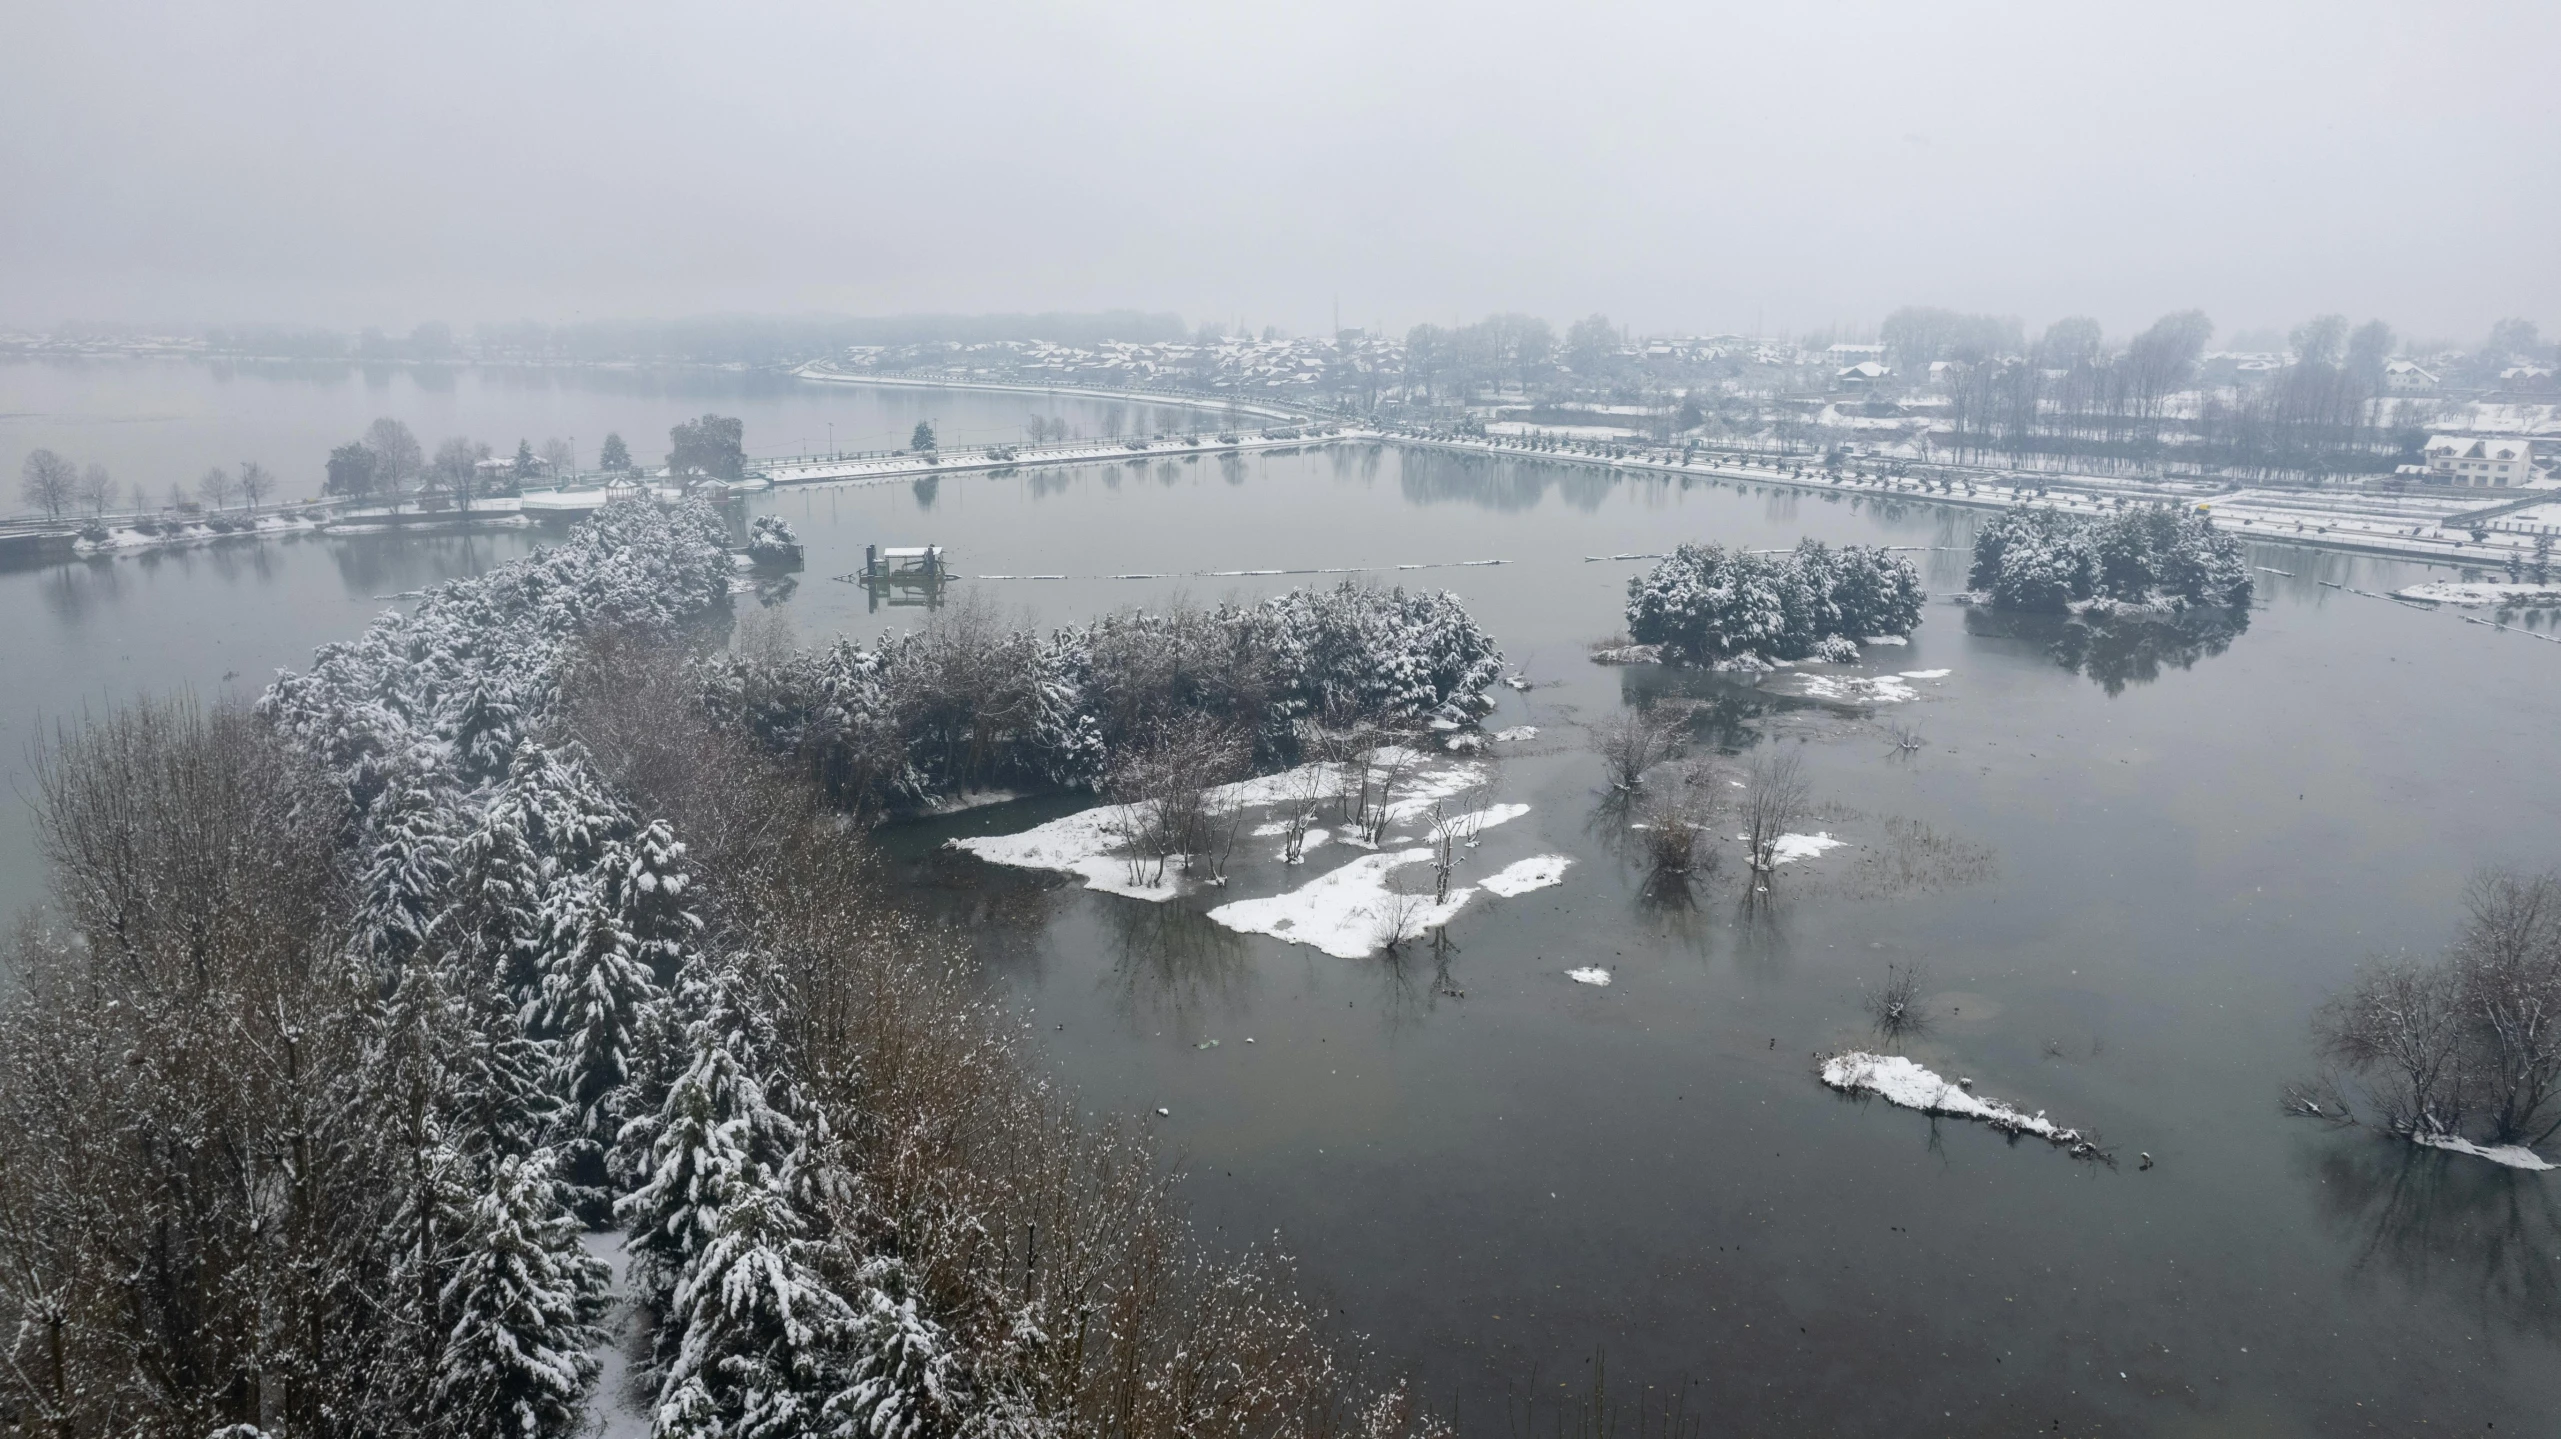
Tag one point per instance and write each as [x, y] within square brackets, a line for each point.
[2475, 596]
[213, 529]
[1090, 842]
[1347, 912]
[1899, 1081]
[1086, 843]
[2514, 1156]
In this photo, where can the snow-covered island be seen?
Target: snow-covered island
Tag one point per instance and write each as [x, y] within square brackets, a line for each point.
[2148, 556]
[1709, 605]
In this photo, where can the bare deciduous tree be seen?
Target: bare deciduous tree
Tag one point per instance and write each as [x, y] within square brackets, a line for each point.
[1633, 741]
[398, 459]
[216, 488]
[97, 490]
[2469, 1045]
[256, 483]
[1166, 814]
[1774, 798]
[46, 481]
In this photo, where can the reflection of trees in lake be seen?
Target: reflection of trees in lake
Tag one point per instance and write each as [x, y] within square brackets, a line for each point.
[1724, 710]
[1432, 477]
[71, 591]
[391, 564]
[2120, 649]
[2430, 1219]
[1174, 962]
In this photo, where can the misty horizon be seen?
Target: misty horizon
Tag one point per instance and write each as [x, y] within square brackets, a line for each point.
[1765, 173]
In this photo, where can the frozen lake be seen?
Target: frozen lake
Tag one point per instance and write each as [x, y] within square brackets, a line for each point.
[2185, 852]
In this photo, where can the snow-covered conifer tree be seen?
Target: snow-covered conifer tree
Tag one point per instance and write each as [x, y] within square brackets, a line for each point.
[524, 1300]
[715, 1135]
[596, 999]
[764, 1338]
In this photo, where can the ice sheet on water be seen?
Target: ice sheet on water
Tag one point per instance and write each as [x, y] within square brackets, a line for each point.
[1593, 975]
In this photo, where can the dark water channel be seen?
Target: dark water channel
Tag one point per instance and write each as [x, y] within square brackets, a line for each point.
[2187, 840]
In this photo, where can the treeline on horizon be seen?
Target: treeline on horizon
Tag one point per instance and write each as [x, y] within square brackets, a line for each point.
[705, 339]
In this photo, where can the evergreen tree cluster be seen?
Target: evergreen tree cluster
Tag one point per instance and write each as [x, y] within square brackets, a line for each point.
[1708, 604]
[2040, 559]
[966, 702]
[372, 999]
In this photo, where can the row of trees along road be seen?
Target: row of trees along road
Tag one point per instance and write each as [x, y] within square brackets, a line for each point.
[387, 461]
[56, 486]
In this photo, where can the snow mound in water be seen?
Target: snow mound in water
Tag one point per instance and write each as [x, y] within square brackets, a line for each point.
[1899, 1081]
[1594, 975]
[1792, 847]
[1083, 843]
[1339, 911]
[1523, 875]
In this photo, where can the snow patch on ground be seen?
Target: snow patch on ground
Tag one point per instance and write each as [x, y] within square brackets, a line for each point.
[2514, 1156]
[1338, 911]
[1927, 674]
[1523, 875]
[1516, 734]
[1081, 844]
[1594, 975]
[1899, 1081]
[1086, 843]
[1885, 640]
[1792, 847]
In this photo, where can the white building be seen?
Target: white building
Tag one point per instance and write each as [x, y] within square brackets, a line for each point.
[2498, 462]
[2404, 377]
[1844, 356]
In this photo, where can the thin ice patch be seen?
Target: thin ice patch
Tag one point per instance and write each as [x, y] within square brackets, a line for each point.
[1594, 975]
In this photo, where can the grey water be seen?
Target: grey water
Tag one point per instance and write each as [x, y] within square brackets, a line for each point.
[1499, 1176]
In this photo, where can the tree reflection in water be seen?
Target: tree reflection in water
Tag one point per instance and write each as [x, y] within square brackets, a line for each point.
[2120, 649]
[1173, 963]
[2429, 1219]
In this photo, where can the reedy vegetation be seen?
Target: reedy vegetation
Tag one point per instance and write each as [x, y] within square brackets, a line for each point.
[486, 923]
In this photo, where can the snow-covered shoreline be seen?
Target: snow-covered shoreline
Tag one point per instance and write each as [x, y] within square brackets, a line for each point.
[2480, 595]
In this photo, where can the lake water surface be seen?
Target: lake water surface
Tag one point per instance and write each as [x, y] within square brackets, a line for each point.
[2185, 848]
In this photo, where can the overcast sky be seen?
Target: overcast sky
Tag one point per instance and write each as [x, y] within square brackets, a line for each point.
[1676, 165]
